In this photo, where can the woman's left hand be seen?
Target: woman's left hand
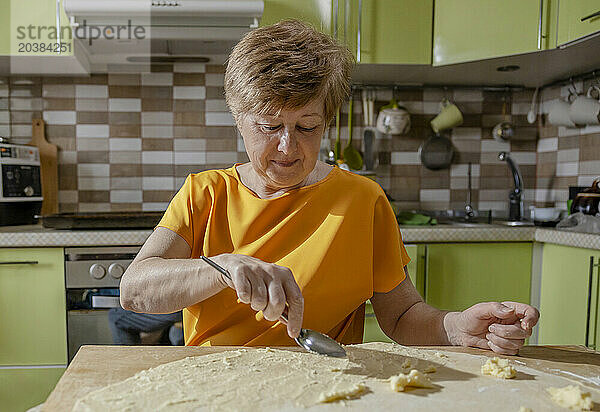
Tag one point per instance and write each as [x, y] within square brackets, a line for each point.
[501, 327]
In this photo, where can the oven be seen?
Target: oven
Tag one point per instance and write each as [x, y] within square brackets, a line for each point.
[92, 277]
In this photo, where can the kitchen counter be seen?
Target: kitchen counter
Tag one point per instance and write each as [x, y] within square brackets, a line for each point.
[38, 236]
[97, 366]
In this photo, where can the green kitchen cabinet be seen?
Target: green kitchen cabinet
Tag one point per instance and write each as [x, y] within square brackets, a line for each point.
[568, 300]
[372, 331]
[577, 19]
[23, 388]
[34, 29]
[458, 275]
[389, 31]
[4, 27]
[315, 12]
[467, 30]
[32, 307]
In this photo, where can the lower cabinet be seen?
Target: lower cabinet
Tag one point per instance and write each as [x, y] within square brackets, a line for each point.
[458, 275]
[23, 388]
[373, 332]
[569, 296]
[33, 335]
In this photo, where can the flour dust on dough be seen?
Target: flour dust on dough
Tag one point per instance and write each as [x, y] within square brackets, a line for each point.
[292, 380]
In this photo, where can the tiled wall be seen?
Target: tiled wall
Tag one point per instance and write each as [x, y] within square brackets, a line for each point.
[415, 187]
[566, 156]
[127, 141]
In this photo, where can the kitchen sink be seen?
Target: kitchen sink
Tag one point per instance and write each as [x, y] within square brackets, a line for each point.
[463, 224]
[512, 224]
[485, 224]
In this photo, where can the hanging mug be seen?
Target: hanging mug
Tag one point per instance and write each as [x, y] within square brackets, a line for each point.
[448, 117]
[585, 109]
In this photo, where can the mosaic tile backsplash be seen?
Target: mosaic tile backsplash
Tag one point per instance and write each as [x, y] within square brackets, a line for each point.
[127, 141]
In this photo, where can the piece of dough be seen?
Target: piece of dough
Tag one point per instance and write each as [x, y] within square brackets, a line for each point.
[430, 369]
[499, 368]
[571, 397]
[414, 379]
[345, 394]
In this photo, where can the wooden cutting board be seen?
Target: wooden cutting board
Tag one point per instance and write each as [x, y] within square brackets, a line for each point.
[97, 366]
[49, 167]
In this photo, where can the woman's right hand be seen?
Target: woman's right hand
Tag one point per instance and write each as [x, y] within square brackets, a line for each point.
[267, 287]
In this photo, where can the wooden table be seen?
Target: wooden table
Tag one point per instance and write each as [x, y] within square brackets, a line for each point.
[97, 366]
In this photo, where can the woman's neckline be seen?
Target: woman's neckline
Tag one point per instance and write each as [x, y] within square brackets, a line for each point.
[290, 192]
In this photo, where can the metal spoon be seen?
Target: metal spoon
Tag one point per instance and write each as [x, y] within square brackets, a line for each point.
[309, 339]
[531, 114]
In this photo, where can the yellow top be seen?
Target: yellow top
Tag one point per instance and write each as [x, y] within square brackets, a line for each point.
[338, 236]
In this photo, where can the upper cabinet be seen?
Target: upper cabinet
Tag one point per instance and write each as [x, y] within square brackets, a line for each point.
[577, 19]
[39, 28]
[386, 31]
[4, 27]
[37, 36]
[376, 31]
[467, 30]
[315, 12]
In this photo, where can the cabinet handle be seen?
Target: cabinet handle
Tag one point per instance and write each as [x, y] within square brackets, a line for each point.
[335, 19]
[58, 38]
[539, 39]
[346, 20]
[358, 31]
[589, 302]
[24, 262]
[591, 16]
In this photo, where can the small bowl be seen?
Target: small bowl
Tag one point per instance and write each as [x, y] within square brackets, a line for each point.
[545, 214]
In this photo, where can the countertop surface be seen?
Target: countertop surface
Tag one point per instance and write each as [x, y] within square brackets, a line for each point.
[97, 366]
[38, 236]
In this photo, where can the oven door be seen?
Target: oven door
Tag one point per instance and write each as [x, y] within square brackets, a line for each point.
[87, 317]
[87, 327]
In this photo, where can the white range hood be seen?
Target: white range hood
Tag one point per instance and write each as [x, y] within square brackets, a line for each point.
[119, 34]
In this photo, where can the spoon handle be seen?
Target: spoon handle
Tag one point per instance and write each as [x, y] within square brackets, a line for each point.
[225, 273]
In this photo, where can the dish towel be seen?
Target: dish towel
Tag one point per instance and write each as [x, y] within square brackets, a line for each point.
[415, 219]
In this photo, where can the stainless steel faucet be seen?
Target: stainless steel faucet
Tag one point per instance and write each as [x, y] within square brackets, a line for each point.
[515, 208]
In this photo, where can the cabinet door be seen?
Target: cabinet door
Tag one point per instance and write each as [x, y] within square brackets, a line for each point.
[466, 30]
[570, 13]
[21, 389]
[373, 332]
[5, 27]
[34, 28]
[32, 307]
[564, 295]
[391, 31]
[315, 12]
[416, 266]
[459, 275]
[396, 31]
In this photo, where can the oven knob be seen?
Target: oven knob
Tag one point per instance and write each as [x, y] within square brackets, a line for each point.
[116, 270]
[28, 191]
[97, 271]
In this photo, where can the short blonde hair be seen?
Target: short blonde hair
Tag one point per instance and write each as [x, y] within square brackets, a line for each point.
[286, 66]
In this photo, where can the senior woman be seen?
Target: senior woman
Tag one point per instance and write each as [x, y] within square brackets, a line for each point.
[292, 230]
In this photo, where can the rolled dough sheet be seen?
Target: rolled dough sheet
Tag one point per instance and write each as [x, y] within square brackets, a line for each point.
[285, 380]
